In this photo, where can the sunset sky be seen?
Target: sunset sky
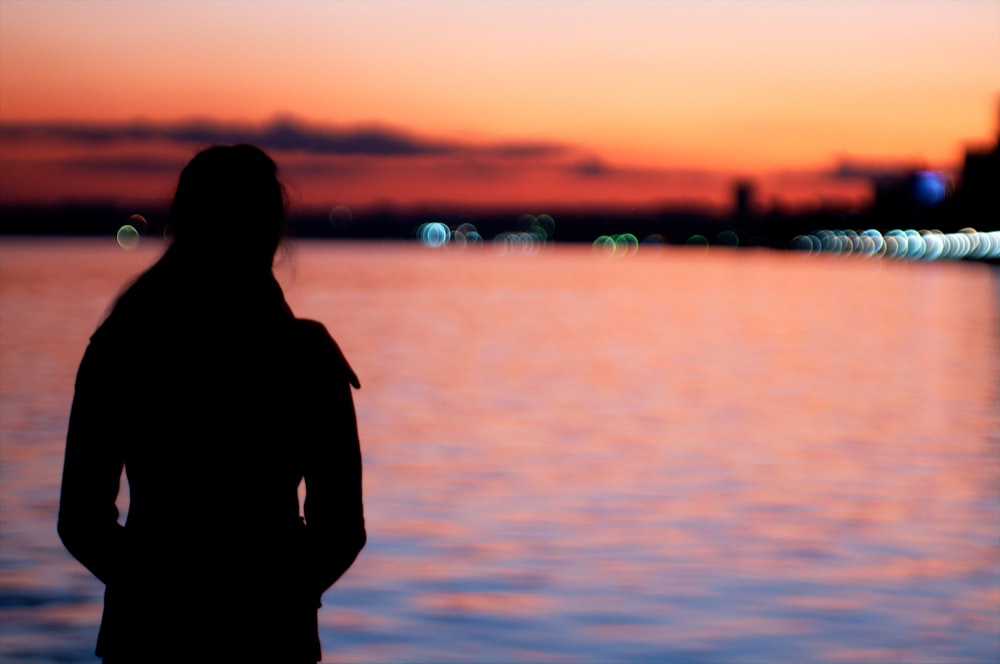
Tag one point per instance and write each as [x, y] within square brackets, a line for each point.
[497, 102]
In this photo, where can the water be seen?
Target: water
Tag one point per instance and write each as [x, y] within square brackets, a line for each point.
[675, 456]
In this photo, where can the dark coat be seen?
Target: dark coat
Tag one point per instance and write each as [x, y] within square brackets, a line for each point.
[216, 401]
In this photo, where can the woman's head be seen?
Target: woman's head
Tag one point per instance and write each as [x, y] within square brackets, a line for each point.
[229, 207]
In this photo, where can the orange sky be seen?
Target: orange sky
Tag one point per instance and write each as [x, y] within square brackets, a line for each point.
[640, 100]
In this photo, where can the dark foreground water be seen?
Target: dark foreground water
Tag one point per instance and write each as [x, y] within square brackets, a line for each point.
[668, 456]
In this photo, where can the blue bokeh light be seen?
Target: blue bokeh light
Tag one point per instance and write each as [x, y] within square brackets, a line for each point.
[930, 187]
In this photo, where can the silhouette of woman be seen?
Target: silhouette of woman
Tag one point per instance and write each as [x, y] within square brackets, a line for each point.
[216, 401]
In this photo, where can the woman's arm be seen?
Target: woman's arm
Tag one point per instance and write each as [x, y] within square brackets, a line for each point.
[88, 517]
[333, 510]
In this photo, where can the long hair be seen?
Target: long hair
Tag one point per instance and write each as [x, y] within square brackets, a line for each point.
[227, 220]
[229, 207]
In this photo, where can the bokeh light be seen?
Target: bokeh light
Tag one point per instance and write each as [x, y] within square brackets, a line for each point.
[604, 244]
[728, 239]
[466, 234]
[127, 237]
[521, 242]
[806, 243]
[620, 245]
[341, 217]
[930, 187]
[139, 223]
[541, 226]
[545, 225]
[433, 234]
[699, 241]
[903, 244]
[871, 242]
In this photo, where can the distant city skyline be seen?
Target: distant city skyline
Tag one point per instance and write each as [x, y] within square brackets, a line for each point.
[496, 102]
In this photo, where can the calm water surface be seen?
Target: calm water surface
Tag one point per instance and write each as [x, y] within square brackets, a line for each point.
[674, 456]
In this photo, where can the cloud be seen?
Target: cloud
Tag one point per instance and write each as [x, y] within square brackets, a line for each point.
[139, 160]
[592, 167]
[132, 164]
[282, 134]
[595, 168]
[859, 169]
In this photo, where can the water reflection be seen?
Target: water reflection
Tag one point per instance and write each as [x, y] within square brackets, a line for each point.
[678, 457]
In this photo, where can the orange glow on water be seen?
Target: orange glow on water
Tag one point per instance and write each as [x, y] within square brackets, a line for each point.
[572, 455]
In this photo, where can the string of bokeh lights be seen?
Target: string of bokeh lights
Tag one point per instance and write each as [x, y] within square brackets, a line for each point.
[925, 188]
[533, 232]
[908, 244]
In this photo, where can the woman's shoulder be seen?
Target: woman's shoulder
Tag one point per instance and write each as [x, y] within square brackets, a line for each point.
[312, 338]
